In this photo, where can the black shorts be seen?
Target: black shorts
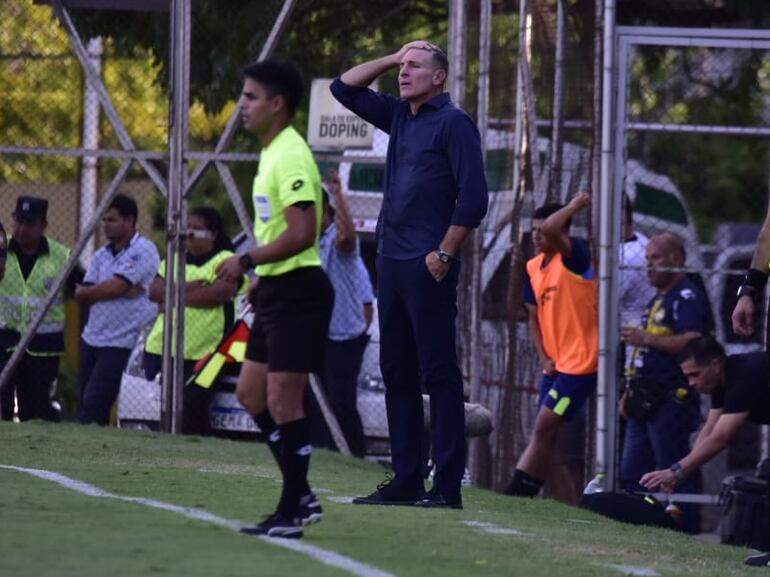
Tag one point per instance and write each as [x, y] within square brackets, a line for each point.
[291, 321]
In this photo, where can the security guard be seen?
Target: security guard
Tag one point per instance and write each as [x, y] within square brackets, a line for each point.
[33, 262]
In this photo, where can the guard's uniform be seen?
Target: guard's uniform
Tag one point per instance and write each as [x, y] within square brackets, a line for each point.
[663, 437]
[23, 290]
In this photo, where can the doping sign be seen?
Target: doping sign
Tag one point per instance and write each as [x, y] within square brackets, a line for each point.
[331, 125]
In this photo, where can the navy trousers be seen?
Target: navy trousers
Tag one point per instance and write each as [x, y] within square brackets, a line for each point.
[101, 369]
[342, 363]
[195, 399]
[417, 351]
[31, 382]
[659, 442]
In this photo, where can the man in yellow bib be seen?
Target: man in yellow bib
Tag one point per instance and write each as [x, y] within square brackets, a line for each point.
[292, 299]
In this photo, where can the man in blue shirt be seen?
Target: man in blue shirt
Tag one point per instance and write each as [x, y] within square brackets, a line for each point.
[661, 411]
[435, 194]
[347, 338]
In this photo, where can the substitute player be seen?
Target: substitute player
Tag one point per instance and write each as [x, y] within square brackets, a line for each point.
[561, 300]
[293, 298]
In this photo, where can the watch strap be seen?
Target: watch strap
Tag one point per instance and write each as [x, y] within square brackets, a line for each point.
[246, 261]
[444, 256]
[676, 468]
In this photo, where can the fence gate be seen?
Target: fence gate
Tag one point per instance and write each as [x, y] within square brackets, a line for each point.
[691, 157]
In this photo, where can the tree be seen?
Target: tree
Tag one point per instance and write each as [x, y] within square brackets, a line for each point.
[41, 96]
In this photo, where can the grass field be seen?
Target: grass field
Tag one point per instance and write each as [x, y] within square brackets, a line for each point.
[47, 529]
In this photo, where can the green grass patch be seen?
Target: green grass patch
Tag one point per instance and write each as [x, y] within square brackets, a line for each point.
[46, 529]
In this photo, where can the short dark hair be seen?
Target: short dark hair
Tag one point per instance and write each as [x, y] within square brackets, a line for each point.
[439, 58]
[702, 350]
[547, 210]
[125, 205]
[280, 78]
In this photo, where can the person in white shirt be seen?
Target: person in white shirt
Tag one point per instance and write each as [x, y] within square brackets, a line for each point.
[116, 288]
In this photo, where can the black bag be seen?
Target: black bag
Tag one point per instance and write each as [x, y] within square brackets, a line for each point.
[629, 508]
[744, 503]
[644, 398]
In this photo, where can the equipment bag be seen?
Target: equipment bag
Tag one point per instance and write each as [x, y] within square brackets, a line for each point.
[744, 503]
[643, 398]
[629, 508]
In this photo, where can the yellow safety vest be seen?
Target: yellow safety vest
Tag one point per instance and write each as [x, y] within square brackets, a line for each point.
[203, 327]
[21, 299]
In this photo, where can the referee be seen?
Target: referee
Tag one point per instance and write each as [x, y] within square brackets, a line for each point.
[292, 299]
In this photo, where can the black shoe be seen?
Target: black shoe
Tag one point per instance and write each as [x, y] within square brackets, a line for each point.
[388, 493]
[276, 525]
[310, 510]
[433, 499]
[758, 560]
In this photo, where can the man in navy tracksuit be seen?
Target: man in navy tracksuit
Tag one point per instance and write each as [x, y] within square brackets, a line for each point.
[435, 194]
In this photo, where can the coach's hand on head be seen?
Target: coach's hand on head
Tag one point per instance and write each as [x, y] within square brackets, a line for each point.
[416, 44]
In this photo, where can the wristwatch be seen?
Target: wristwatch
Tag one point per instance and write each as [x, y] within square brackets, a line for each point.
[676, 469]
[746, 290]
[246, 261]
[444, 256]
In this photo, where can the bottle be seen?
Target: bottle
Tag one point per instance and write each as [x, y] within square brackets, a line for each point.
[673, 510]
[596, 485]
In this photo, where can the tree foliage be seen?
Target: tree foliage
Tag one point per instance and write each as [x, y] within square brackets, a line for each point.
[322, 37]
[724, 178]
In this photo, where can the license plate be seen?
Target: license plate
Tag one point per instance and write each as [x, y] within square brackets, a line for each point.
[232, 421]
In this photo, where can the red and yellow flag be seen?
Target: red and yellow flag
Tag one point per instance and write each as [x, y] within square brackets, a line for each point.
[231, 349]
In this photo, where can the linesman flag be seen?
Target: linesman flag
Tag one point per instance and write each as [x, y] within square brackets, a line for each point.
[231, 349]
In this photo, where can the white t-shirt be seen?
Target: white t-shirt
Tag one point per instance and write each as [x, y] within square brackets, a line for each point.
[118, 322]
[635, 288]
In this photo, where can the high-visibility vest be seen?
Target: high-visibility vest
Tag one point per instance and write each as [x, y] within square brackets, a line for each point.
[203, 327]
[21, 299]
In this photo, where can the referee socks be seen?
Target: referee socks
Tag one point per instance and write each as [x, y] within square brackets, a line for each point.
[266, 424]
[295, 461]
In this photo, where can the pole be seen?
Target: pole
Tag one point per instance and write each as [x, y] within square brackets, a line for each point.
[89, 175]
[606, 428]
[173, 326]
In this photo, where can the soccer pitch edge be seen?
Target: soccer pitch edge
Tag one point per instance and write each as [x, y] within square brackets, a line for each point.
[321, 555]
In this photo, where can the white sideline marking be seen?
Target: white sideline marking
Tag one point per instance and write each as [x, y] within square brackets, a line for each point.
[583, 521]
[322, 555]
[635, 571]
[340, 499]
[492, 528]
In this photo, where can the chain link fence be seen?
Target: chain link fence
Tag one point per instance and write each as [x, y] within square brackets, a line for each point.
[691, 160]
[89, 140]
[694, 164]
